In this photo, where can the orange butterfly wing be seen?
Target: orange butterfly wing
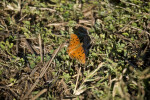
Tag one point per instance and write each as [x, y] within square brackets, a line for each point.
[75, 49]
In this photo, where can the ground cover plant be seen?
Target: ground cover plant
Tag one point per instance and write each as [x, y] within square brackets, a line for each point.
[35, 34]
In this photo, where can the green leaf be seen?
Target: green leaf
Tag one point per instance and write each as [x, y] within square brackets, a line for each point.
[125, 34]
[11, 45]
[94, 54]
[2, 46]
[134, 24]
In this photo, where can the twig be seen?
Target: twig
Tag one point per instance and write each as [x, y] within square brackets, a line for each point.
[140, 30]
[17, 44]
[82, 87]
[34, 8]
[41, 50]
[93, 73]
[43, 71]
[39, 94]
[77, 80]
[22, 17]
[128, 3]
[29, 46]
[11, 91]
[57, 24]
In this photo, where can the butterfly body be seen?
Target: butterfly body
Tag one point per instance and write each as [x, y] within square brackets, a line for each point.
[75, 49]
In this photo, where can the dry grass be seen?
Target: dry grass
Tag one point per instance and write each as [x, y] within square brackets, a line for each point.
[34, 36]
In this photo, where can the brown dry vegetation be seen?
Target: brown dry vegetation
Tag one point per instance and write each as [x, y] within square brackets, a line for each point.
[34, 36]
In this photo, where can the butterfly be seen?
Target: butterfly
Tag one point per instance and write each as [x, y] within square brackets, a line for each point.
[75, 49]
